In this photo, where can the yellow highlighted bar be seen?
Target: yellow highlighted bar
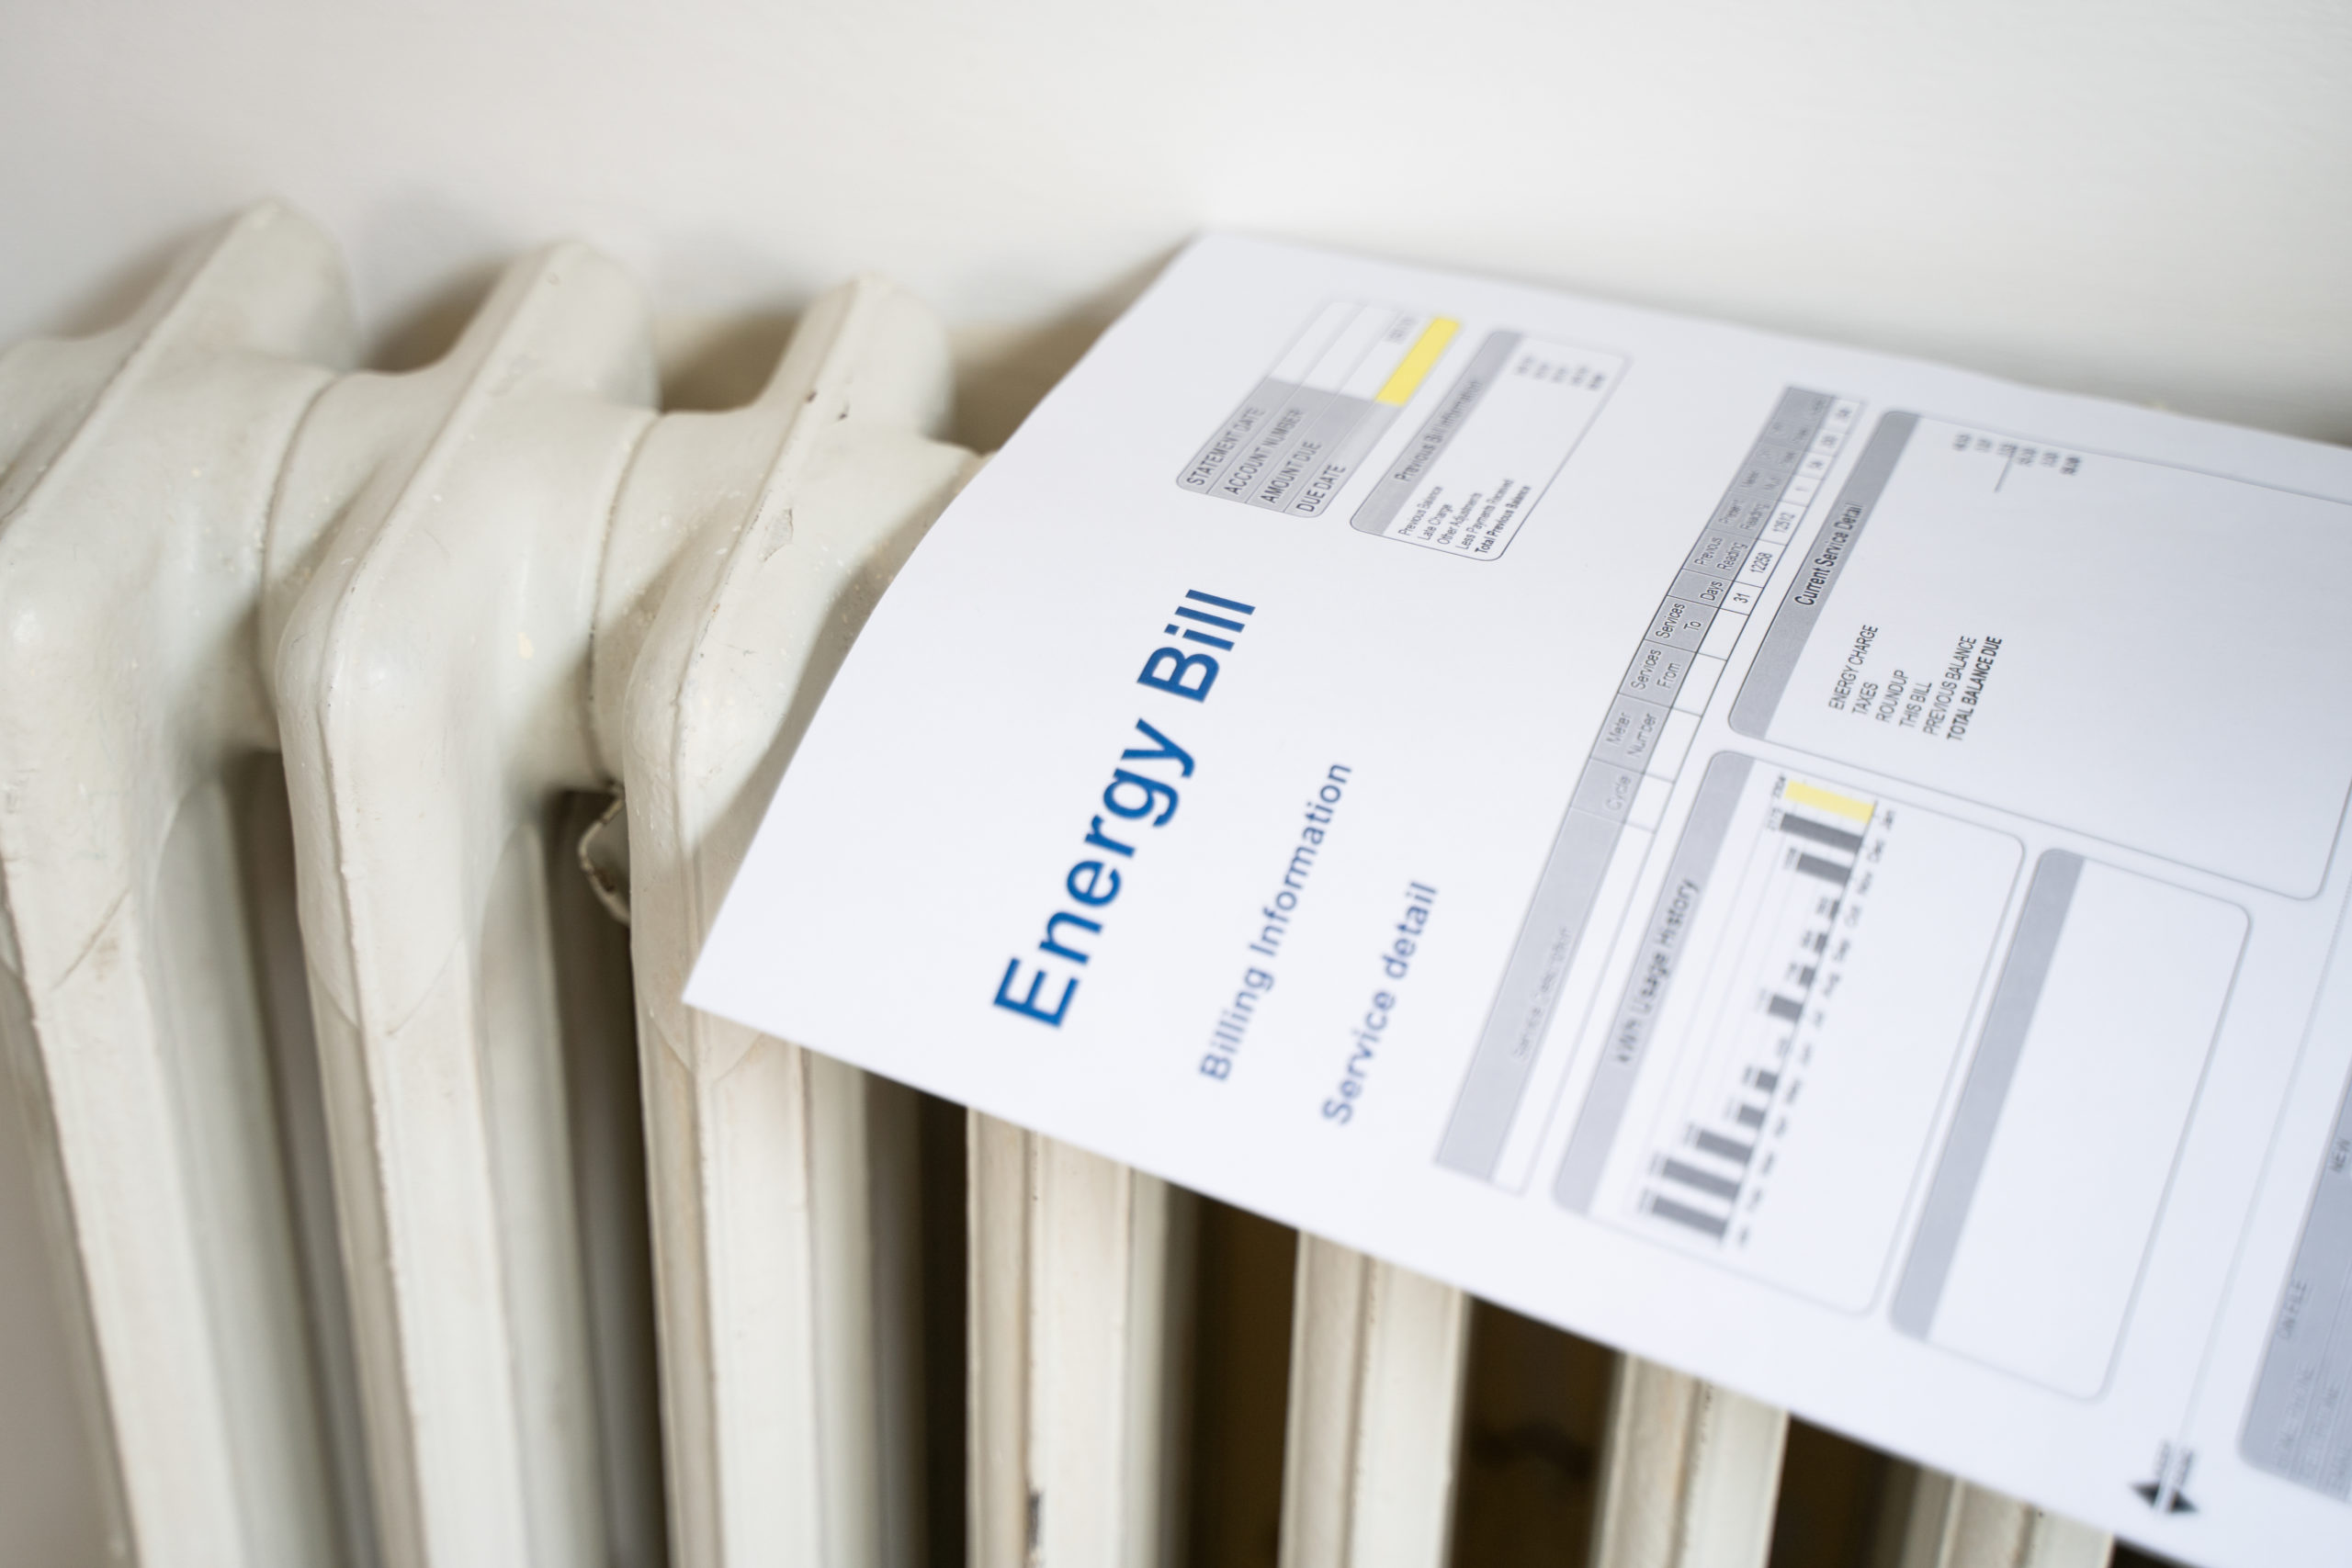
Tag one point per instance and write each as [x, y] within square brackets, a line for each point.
[1415, 367]
[1821, 799]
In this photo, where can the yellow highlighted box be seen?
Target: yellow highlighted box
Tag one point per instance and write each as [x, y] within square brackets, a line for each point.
[1415, 367]
[1799, 792]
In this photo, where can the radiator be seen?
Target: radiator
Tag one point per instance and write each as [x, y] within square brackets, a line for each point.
[374, 751]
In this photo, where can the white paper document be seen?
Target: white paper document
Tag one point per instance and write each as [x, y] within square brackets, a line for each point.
[1816, 869]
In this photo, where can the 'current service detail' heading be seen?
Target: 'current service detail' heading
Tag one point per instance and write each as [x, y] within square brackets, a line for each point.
[1813, 868]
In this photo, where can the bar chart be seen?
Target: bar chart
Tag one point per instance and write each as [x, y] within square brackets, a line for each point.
[1697, 1179]
[1789, 1026]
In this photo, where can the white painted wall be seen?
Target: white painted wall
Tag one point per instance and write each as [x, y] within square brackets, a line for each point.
[2146, 197]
